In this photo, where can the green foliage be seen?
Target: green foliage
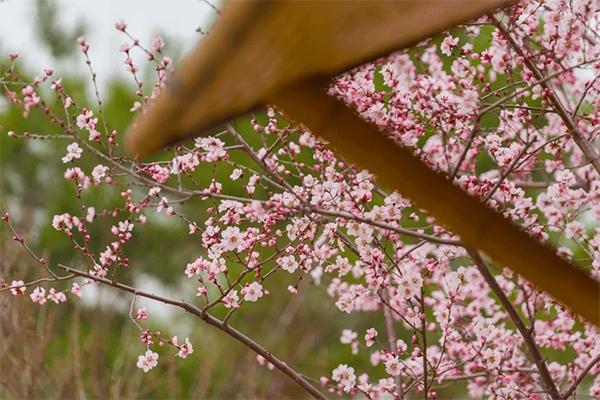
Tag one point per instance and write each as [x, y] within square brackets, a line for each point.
[59, 41]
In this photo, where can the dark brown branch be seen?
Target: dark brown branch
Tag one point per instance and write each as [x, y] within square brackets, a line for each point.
[582, 375]
[547, 381]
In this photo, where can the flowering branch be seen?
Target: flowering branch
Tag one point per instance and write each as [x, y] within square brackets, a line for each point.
[547, 381]
[210, 320]
[555, 102]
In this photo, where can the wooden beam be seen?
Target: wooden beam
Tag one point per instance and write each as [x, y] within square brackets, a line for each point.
[477, 225]
[258, 47]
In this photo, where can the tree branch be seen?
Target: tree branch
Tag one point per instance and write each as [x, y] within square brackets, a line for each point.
[547, 381]
[217, 323]
[582, 375]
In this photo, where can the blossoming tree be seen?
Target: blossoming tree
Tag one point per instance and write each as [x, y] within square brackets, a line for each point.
[505, 105]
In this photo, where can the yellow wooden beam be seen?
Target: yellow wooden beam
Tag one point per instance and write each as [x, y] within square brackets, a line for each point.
[258, 47]
[477, 225]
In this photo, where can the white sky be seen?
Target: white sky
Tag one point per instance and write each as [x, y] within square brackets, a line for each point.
[176, 19]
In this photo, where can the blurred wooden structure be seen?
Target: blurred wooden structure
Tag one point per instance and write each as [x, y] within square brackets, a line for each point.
[283, 53]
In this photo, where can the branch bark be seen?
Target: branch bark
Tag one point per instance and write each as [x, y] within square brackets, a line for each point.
[547, 381]
[582, 375]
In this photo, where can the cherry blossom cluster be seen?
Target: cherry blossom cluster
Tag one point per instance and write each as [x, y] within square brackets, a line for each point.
[507, 106]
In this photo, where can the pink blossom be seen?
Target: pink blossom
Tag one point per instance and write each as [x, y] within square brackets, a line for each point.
[17, 288]
[401, 346]
[157, 44]
[185, 163]
[75, 173]
[76, 289]
[345, 376]
[148, 360]
[252, 292]
[141, 313]
[370, 337]
[99, 172]
[448, 44]
[232, 239]
[57, 297]
[83, 45]
[121, 26]
[348, 336]
[263, 362]
[231, 300]
[30, 99]
[85, 121]
[409, 285]
[288, 263]
[197, 266]
[56, 85]
[108, 256]
[136, 106]
[185, 349]
[492, 358]
[236, 174]
[73, 151]
[38, 295]
[163, 205]
[292, 289]
[214, 148]
[90, 214]
[158, 173]
[392, 366]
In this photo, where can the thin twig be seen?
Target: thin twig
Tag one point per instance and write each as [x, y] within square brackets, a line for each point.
[582, 375]
[424, 334]
[391, 336]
